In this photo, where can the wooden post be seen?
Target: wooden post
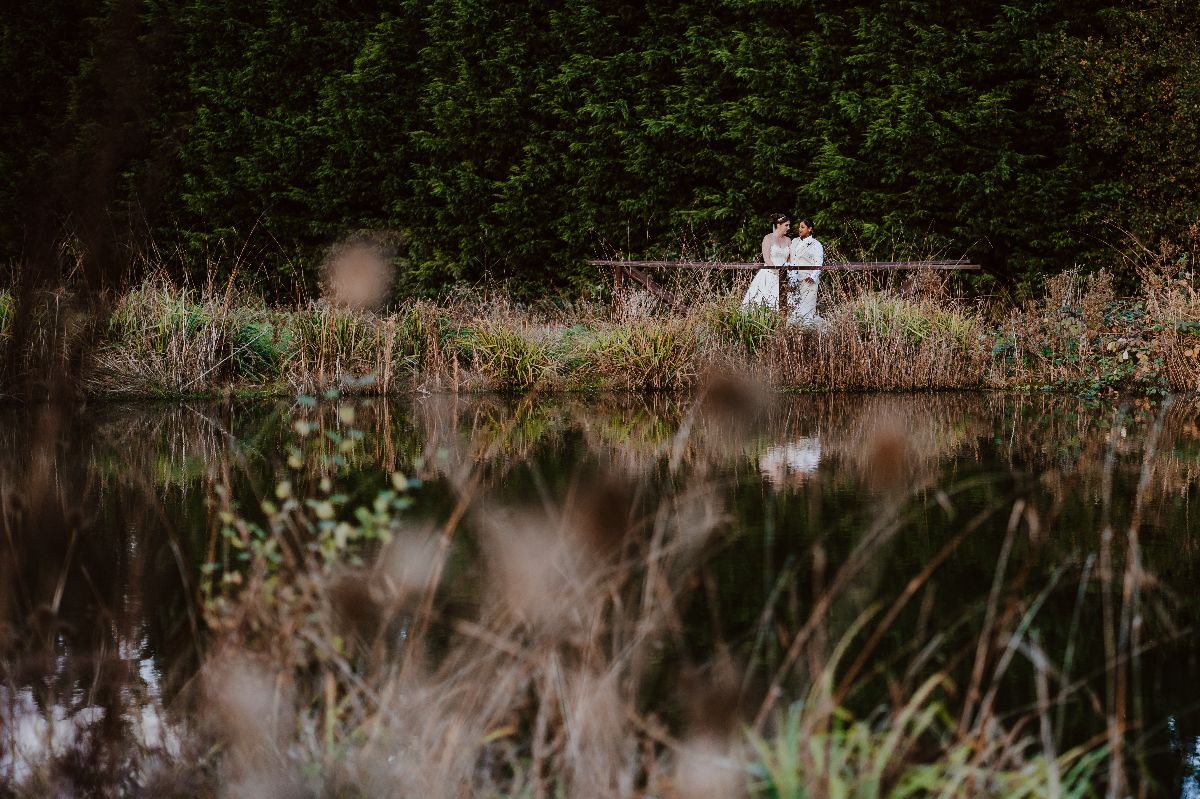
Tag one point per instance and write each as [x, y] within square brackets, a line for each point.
[783, 295]
[618, 286]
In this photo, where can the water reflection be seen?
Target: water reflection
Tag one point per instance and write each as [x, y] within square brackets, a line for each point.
[791, 463]
[97, 629]
[107, 527]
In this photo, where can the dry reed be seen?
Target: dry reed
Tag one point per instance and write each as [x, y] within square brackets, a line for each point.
[526, 673]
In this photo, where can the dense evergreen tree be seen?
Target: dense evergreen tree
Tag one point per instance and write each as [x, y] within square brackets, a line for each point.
[515, 139]
[1128, 89]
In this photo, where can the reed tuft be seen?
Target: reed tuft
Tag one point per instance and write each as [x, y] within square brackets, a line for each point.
[883, 342]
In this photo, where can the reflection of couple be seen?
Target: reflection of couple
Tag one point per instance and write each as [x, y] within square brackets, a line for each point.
[803, 257]
[794, 461]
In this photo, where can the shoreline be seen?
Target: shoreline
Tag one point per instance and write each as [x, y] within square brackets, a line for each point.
[169, 342]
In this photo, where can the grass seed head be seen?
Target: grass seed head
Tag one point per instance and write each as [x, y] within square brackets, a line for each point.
[358, 274]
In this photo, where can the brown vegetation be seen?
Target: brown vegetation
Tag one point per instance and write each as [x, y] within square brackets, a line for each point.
[161, 339]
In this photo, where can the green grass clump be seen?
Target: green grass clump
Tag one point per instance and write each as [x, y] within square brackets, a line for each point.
[748, 327]
[336, 348]
[880, 760]
[6, 313]
[961, 330]
[649, 354]
[510, 359]
[420, 331]
[881, 316]
[260, 349]
[167, 340]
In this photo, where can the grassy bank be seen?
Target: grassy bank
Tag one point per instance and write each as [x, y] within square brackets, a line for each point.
[164, 340]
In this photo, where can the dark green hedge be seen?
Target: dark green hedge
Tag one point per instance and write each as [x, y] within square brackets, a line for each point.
[515, 139]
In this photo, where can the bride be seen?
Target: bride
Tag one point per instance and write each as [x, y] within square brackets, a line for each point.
[776, 247]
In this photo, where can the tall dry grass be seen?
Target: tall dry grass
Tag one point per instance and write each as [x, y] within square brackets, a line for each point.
[1169, 283]
[358, 652]
[169, 340]
[1081, 337]
[881, 341]
[163, 339]
[356, 655]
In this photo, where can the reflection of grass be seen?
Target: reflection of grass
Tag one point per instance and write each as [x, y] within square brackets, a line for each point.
[6, 312]
[513, 432]
[537, 678]
[354, 649]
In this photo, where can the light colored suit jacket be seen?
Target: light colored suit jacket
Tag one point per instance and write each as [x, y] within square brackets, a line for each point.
[805, 253]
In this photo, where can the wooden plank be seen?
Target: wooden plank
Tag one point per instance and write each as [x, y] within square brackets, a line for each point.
[859, 266]
[883, 266]
[658, 291]
[677, 264]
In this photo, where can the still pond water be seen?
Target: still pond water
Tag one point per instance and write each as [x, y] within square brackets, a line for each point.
[1046, 504]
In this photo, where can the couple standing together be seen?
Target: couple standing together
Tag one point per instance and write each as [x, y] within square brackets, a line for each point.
[803, 257]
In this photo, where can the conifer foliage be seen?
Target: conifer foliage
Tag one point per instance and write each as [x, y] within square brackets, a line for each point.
[515, 139]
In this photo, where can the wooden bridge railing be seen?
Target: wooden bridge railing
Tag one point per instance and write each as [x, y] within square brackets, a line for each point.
[635, 271]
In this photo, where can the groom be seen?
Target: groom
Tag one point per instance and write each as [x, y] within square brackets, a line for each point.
[807, 258]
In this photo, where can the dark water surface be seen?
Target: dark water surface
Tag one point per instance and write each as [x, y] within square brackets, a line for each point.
[1081, 516]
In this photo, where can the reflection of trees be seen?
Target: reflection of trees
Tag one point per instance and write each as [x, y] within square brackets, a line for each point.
[95, 612]
[1090, 462]
[117, 500]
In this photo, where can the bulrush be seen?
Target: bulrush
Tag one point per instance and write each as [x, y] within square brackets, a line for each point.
[887, 458]
[709, 762]
[537, 572]
[603, 517]
[359, 274]
[254, 711]
[600, 757]
[405, 567]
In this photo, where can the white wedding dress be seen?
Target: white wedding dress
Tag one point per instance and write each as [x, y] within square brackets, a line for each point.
[764, 289]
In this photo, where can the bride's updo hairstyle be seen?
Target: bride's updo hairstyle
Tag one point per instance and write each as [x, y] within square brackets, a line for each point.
[779, 219]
